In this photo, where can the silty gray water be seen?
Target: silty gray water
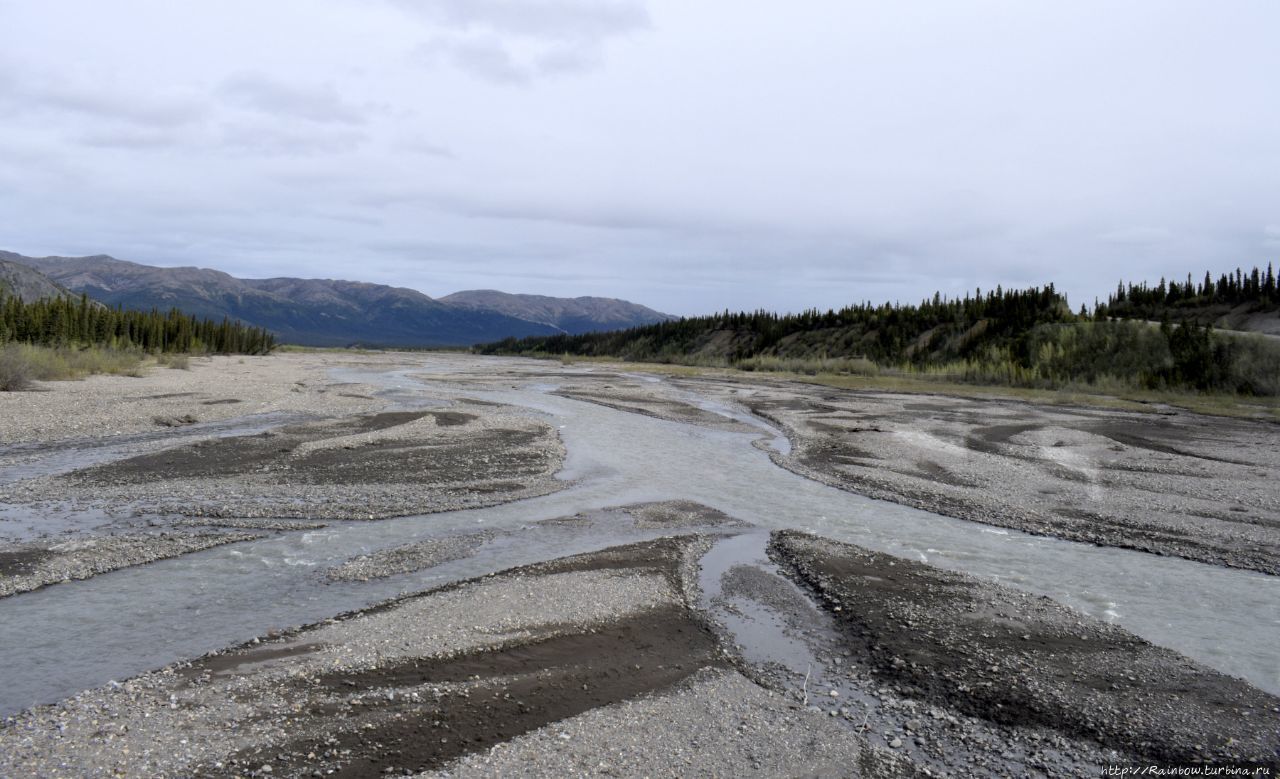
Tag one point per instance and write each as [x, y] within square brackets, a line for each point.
[81, 634]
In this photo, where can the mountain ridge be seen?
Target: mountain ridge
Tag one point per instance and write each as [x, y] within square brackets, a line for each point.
[25, 282]
[586, 313]
[309, 312]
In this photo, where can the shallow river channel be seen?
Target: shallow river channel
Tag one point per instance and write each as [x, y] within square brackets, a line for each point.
[72, 636]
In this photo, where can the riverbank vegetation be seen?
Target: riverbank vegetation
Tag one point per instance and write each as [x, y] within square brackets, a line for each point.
[1231, 298]
[65, 338]
[1017, 338]
[69, 323]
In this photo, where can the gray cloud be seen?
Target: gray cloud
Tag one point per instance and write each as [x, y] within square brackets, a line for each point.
[258, 139]
[267, 95]
[554, 19]
[137, 139]
[1137, 235]
[59, 95]
[514, 42]
[664, 151]
[485, 58]
[424, 147]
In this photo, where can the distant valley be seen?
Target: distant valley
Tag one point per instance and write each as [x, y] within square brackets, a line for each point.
[321, 312]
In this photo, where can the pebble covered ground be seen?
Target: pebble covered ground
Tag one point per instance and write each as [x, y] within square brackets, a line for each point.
[1171, 483]
[430, 682]
[160, 462]
[214, 388]
[955, 644]
[368, 466]
[613, 662]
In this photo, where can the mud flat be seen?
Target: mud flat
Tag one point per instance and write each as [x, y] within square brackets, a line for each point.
[1169, 483]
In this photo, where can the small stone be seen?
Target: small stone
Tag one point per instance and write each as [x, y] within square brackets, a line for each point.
[895, 743]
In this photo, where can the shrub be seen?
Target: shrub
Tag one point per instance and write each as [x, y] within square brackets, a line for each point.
[22, 363]
[15, 371]
[176, 361]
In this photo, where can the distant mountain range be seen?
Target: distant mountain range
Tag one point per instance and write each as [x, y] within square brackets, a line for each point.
[569, 315]
[321, 312]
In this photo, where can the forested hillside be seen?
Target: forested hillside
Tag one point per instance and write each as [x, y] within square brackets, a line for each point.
[936, 330]
[1018, 337]
[1239, 301]
[67, 322]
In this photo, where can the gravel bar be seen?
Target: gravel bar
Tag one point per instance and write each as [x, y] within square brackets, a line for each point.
[29, 567]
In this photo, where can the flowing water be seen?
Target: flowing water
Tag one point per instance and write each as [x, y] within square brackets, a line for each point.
[56, 641]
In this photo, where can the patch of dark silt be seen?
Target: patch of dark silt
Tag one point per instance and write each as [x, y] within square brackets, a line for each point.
[419, 713]
[1017, 659]
[269, 453]
[18, 562]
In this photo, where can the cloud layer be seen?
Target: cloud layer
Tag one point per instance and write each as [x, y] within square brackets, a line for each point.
[692, 156]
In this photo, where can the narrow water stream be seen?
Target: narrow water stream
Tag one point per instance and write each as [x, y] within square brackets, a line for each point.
[65, 638]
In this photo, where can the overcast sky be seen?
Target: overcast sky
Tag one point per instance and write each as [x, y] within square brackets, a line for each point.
[691, 156]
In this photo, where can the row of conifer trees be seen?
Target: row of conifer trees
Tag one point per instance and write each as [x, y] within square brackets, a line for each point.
[68, 322]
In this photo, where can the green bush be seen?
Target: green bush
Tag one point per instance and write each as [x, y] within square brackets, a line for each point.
[177, 361]
[15, 373]
[20, 364]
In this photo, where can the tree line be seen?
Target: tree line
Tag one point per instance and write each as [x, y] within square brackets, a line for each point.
[1255, 290]
[1024, 337]
[68, 322]
[939, 328]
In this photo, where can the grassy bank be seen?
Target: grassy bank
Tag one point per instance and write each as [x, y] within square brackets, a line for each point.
[22, 364]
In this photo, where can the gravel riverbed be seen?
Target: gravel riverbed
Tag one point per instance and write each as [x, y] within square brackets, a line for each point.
[1167, 482]
[711, 648]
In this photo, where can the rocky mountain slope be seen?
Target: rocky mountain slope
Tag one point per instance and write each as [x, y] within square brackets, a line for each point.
[26, 282]
[314, 312]
[572, 315]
